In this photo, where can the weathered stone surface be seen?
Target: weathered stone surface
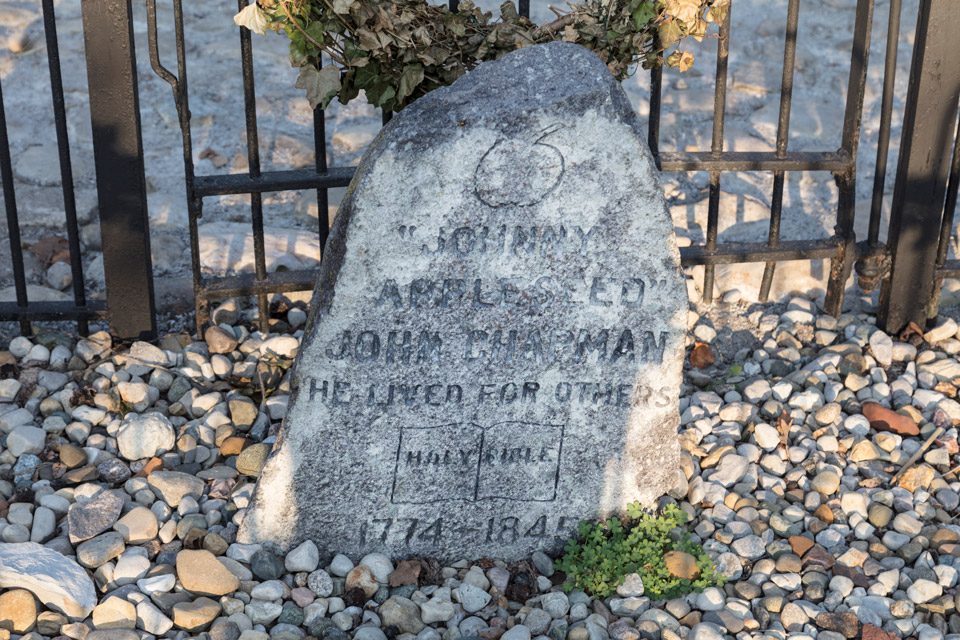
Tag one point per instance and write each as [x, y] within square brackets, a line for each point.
[138, 526]
[145, 436]
[85, 520]
[114, 613]
[681, 565]
[100, 550]
[201, 573]
[196, 615]
[57, 581]
[510, 361]
[172, 486]
[18, 611]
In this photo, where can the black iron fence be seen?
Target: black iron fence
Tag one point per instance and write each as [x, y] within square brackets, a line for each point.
[121, 186]
[925, 195]
[22, 310]
[909, 268]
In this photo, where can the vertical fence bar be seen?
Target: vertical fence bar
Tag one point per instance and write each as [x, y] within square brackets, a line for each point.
[13, 220]
[783, 137]
[886, 113]
[118, 157]
[716, 149]
[871, 254]
[946, 228]
[656, 101]
[320, 163]
[918, 198]
[181, 96]
[253, 161]
[66, 170]
[951, 207]
[846, 180]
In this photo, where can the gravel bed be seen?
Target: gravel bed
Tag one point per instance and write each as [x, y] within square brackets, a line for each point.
[124, 473]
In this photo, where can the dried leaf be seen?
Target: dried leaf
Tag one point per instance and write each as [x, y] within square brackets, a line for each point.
[702, 355]
[153, 464]
[699, 30]
[718, 11]
[368, 40]
[784, 422]
[51, 249]
[405, 574]
[911, 329]
[216, 158]
[8, 367]
[342, 6]
[684, 10]
[442, 45]
[669, 33]
[411, 77]
[252, 17]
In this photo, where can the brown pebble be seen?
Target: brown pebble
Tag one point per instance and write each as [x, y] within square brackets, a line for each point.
[18, 611]
[873, 632]
[845, 623]
[879, 551]
[216, 545]
[818, 556]
[918, 477]
[196, 615]
[72, 456]
[859, 580]
[194, 539]
[681, 565]
[883, 419]
[824, 513]
[233, 445]
[816, 526]
[943, 536]
[800, 544]
[83, 474]
[691, 619]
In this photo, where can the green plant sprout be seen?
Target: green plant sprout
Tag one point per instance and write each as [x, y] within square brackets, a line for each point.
[608, 551]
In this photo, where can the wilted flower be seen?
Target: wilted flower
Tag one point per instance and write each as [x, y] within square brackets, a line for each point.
[252, 17]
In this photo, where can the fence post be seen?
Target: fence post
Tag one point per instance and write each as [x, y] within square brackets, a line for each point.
[924, 163]
[118, 155]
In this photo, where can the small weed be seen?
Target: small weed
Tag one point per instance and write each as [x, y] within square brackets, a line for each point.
[606, 552]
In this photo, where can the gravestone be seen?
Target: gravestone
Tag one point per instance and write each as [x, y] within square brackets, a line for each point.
[497, 331]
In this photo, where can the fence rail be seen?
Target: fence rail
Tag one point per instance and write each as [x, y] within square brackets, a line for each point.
[911, 270]
[842, 164]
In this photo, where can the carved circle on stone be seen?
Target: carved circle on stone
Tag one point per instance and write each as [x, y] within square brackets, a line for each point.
[516, 172]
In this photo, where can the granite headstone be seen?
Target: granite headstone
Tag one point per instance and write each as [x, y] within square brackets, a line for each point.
[496, 339]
